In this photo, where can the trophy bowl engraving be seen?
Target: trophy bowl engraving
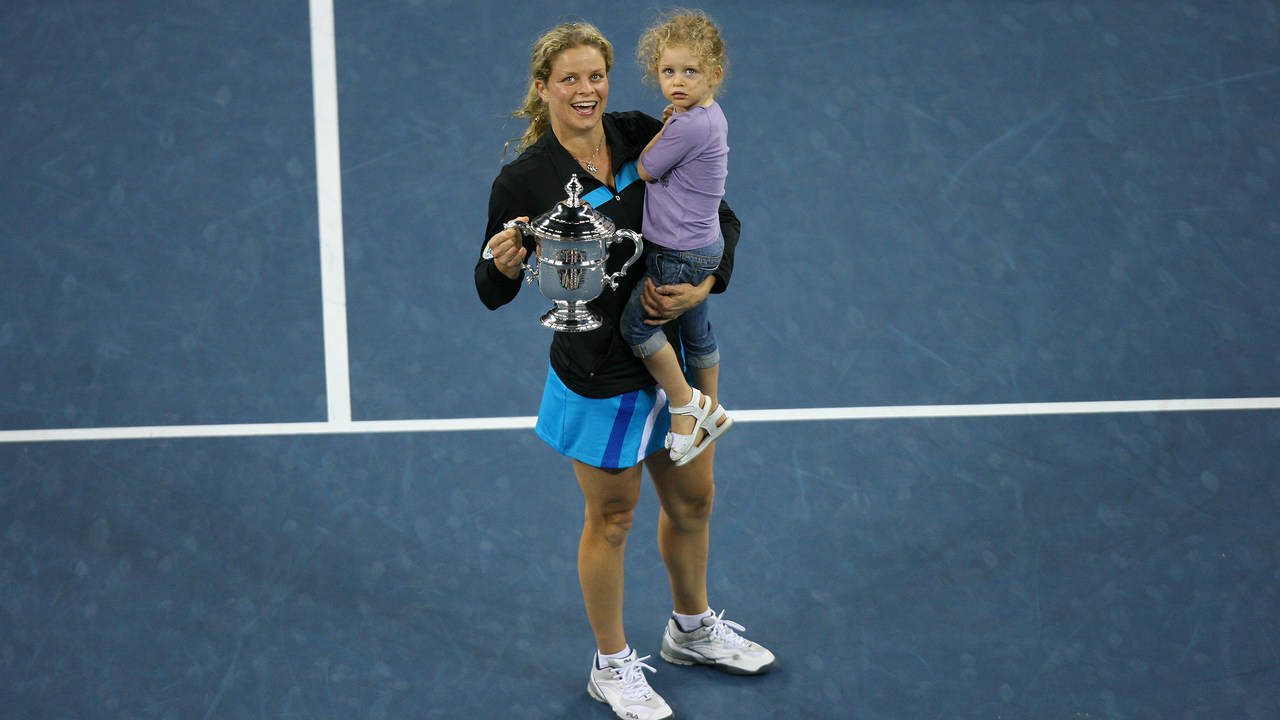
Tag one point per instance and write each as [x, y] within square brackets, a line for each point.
[573, 242]
[570, 277]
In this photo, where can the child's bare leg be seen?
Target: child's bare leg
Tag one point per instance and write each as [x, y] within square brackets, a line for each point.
[664, 366]
[707, 380]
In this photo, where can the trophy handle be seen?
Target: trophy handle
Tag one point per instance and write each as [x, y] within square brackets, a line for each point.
[531, 273]
[619, 236]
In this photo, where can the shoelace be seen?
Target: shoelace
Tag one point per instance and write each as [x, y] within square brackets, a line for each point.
[634, 686]
[723, 631]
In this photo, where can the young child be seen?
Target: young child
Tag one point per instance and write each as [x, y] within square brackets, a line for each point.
[685, 166]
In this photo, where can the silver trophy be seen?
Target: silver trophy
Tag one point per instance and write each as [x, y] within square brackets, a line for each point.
[573, 245]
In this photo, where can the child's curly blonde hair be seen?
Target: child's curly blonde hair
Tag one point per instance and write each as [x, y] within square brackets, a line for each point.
[692, 29]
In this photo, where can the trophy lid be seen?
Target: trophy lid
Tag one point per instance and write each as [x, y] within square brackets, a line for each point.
[573, 218]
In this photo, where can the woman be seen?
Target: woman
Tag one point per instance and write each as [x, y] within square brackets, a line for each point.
[600, 407]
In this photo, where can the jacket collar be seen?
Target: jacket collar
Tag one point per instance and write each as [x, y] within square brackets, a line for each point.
[621, 148]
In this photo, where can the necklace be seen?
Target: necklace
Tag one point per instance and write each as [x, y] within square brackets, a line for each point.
[589, 164]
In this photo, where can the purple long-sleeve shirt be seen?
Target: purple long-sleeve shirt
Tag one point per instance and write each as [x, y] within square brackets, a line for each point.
[690, 162]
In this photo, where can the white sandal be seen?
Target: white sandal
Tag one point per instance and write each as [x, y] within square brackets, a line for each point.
[680, 443]
[712, 431]
[683, 447]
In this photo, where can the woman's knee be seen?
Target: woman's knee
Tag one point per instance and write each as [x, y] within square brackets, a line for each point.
[688, 493]
[697, 508]
[611, 523]
[689, 509]
[611, 498]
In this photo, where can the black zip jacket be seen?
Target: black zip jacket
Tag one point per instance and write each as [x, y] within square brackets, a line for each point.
[598, 363]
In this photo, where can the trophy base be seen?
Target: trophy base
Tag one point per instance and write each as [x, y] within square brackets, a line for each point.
[571, 316]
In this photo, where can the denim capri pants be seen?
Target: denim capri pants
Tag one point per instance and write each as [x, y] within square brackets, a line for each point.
[671, 267]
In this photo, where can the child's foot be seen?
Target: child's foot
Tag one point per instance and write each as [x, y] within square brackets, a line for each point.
[709, 428]
[685, 422]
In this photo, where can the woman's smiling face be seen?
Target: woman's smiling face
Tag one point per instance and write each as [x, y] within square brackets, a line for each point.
[577, 89]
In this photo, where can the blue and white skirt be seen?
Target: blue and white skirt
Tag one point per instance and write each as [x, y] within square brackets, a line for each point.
[614, 432]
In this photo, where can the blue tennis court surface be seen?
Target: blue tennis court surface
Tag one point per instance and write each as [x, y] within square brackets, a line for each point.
[943, 203]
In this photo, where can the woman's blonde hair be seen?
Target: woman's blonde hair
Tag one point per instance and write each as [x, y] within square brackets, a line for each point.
[565, 36]
[692, 29]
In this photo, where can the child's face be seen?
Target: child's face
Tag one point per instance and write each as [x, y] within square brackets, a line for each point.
[684, 81]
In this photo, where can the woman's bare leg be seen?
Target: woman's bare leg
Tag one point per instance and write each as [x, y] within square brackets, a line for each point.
[687, 494]
[611, 497]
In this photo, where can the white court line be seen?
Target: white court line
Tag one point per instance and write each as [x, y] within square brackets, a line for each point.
[333, 283]
[887, 412]
[337, 369]
[895, 412]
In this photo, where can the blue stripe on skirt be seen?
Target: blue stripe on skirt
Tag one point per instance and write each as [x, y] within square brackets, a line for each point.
[621, 425]
[614, 432]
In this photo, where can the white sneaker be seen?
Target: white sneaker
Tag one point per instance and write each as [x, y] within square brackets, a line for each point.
[622, 686]
[715, 644]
